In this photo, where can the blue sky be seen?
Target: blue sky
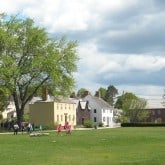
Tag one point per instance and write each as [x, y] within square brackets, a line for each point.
[121, 42]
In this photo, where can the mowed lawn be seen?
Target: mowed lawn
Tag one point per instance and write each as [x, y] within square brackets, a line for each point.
[142, 146]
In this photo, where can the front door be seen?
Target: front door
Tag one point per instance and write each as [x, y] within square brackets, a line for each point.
[107, 121]
[66, 119]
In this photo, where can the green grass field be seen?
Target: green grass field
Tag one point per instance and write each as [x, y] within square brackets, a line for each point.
[132, 146]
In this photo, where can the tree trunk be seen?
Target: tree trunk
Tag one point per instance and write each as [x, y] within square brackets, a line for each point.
[19, 116]
[19, 109]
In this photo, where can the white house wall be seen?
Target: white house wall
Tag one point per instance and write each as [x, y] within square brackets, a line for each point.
[107, 117]
[104, 113]
[10, 111]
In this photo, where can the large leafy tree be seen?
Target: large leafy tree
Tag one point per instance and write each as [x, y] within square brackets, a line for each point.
[4, 99]
[80, 92]
[30, 59]
[133, 108]
[102, 92]
[123, 99]
[111, 92]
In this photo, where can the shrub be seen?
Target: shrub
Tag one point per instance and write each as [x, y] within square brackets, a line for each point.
[143, 124]
[101, 124]
[25, 117]
[49, 126]
[88, 124]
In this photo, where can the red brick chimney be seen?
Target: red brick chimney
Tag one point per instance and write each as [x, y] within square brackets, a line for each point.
[86, 93]
[97, 94]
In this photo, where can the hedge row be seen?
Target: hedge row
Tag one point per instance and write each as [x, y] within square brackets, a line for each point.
[143, 124]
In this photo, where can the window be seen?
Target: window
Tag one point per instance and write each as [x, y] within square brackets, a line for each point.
[61, 117]
[73, 118]
[57, 117]
[95, 120]
[103, 118]
[82, 120]
[94, 110]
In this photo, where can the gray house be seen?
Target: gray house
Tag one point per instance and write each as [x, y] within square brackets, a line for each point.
[100, 111]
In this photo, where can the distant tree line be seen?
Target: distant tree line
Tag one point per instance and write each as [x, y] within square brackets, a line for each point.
[108, 94]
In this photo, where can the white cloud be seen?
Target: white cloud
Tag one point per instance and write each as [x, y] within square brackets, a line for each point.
[150, 90]
[64, 15]
[118, 27]
[92, 59]
[148, 63]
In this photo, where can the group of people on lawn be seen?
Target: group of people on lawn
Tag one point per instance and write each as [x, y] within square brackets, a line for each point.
[67, 128]
[30, 128]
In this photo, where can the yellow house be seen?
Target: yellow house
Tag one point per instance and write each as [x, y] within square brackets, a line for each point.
[49, 113]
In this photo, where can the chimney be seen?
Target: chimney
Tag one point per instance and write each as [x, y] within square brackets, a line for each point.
[86, 93]
[73, 95]
[97, 94]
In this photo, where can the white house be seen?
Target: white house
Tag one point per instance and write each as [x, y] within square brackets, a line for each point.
[101, 111]
[10, 111]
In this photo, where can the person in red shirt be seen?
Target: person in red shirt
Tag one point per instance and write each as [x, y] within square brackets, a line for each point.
[67, 128]
[59, 129]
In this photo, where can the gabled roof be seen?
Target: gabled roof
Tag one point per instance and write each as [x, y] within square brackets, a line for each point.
[97, 102]
[155, 104]
[53, 99]
[83, 104]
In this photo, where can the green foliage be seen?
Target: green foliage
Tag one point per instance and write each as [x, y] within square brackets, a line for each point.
[133, 108]
[31, 59]
[101, 124]
[4, 99]
[102, 92]
[142, 124]
[26, 117]
[81, 91]
[123, 98]
[109, 95]
[1, 116]
[49, 127]
[88, 124]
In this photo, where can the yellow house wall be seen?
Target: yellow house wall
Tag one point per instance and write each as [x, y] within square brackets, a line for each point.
[65, 112]
[51, 113]
[42, 113]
